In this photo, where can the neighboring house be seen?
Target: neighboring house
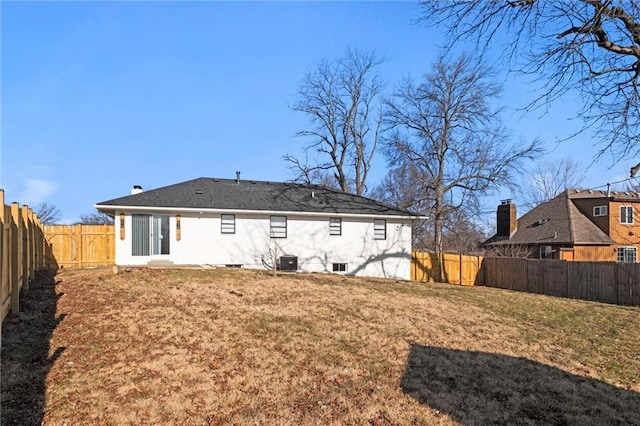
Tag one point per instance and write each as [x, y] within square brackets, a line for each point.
[245, 223]
[585, 225]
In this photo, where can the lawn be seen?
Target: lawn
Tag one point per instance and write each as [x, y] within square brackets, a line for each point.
[234, 346]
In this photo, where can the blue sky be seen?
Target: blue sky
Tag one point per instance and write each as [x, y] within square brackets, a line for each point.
[100, 96]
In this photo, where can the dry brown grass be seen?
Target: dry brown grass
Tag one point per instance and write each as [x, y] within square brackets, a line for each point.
[241, 347]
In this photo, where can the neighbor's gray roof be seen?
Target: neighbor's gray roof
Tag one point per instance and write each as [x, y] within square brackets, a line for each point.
[611, 195]
[227, 194]
[557, 221]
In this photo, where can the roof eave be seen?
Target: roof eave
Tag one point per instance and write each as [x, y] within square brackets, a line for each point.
[538, 243]
[107, 207]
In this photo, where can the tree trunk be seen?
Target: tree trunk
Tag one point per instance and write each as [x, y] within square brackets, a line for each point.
[438, 219]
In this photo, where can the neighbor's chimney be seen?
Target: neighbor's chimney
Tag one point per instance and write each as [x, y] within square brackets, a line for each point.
[506, 219]
[237, 177]
[136, 189]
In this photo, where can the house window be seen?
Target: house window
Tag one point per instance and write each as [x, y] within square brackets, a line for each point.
[278, 227]
[339, 267]
[626, 214]
[335, 226]
[546, 252]
[228, 223]
[627, 255]
[600, 211]
[380, 229]
[140, 242]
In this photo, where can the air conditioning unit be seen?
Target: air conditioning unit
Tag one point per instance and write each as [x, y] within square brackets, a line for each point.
[288, 263]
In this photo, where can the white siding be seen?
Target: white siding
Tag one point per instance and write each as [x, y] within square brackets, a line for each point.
[203, 243]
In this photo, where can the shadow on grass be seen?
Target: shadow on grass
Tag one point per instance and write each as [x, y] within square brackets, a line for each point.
[25, 352]
[482, 388]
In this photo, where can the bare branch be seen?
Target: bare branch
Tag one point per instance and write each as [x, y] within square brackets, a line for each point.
[95, 218]
[444, 132]
[589, 46]
[48, 214]
[340, 99]
[550, 178]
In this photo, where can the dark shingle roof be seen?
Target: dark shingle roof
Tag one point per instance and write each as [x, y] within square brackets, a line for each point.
[557, 221]
[227, 194]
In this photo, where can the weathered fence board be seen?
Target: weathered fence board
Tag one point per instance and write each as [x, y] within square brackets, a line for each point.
[608, 282]
[555, 278]
[629, 283]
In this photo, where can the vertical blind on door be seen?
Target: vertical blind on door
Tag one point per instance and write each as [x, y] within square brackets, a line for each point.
[140, 235]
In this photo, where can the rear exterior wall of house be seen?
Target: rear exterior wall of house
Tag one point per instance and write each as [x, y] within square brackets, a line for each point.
[595, 253]
[346, 245]
[618, 219]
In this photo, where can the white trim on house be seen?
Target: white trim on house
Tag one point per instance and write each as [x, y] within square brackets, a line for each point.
[267, 212]
[628, 216]
[600, 211]
[627, 254]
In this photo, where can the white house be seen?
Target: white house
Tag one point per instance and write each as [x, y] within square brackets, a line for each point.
[244, 223]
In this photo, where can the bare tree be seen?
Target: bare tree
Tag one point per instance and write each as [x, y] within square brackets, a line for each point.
[401, 188]
[340, 98]
[461, 234]
[47, 213]
[592, 46]
[95, 219]
[550, 178]
[447, 131]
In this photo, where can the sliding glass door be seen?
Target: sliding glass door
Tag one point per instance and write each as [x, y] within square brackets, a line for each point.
[150, 235]
[160, 235]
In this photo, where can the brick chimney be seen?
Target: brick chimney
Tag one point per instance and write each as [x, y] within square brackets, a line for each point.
[506, 219]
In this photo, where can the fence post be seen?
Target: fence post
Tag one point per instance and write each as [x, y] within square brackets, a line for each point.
[566, 278]
[16, 254]
[32, 246]
[413, 266]
[41, 245]
[541, 285]
[26, 246]
[38, 243]
[6, 250]
[78, 235]
[617, 281]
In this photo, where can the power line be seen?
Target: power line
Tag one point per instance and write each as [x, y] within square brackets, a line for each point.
[608, 184]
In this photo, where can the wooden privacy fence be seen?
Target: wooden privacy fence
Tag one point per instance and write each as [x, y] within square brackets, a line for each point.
[22, 250]
[446, 268]
[608, 282]
[80, 246]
